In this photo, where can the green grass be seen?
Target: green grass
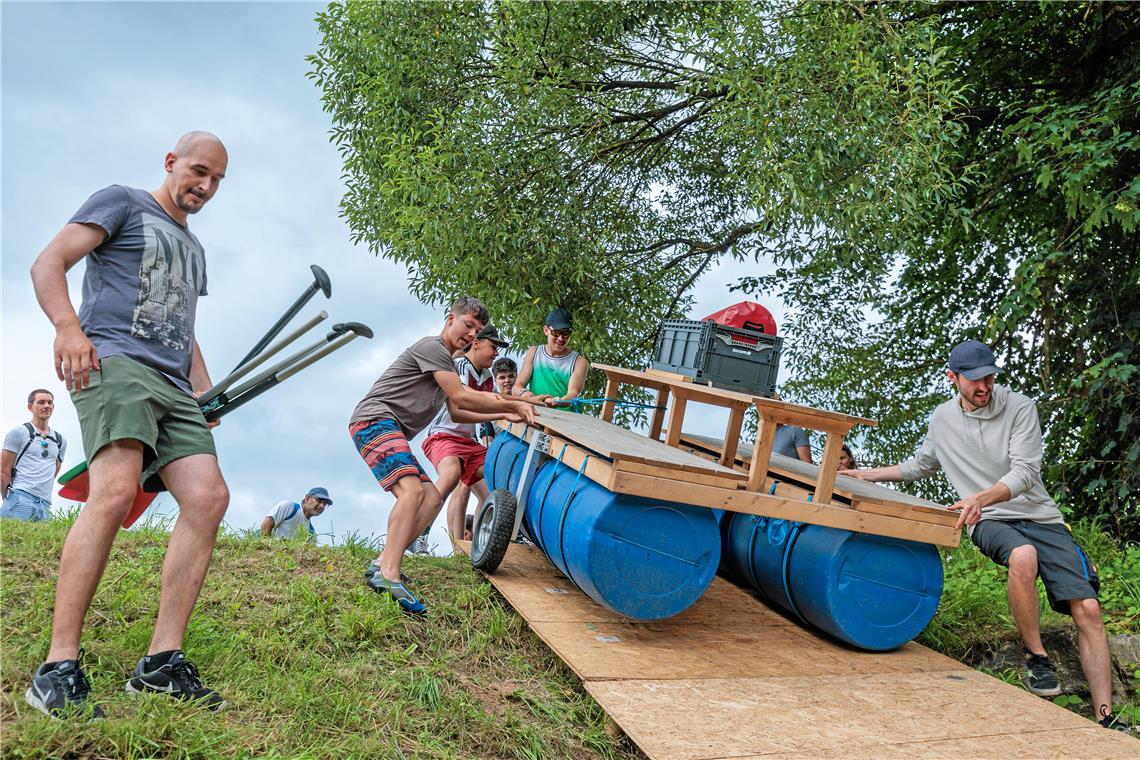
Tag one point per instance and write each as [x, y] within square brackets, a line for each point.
[313, 664]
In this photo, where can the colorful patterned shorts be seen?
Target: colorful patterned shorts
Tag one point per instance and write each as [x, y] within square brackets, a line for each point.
[386, 451]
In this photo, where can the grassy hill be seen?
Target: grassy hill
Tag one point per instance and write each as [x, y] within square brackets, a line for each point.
[313, 664]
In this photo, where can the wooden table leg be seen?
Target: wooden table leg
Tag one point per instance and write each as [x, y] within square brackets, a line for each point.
[825, 485]
[659, 413]
[676, 415]
[732, 436]
[761, 454]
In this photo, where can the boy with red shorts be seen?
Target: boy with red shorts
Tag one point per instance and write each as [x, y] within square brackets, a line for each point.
[399, 405]
[452, 447]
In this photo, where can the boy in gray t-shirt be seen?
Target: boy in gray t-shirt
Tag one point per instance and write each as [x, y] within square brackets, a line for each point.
[399, 405]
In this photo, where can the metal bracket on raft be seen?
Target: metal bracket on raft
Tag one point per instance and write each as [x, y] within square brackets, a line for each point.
[539, 446]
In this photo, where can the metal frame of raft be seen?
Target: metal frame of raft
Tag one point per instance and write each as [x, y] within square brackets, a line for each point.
[639, 525]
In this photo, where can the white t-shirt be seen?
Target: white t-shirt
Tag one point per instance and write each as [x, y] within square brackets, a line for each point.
[35, 470]
[476, 381]
[289, 520]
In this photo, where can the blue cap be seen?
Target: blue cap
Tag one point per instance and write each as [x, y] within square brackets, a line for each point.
[973, 359]
[321, 493]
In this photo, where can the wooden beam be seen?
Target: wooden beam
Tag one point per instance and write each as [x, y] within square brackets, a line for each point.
[611, 392]
[675, 376]
[658, 418]
[676, 416]
[665, 473]
[825, 484]
[761, 453]
[732, 435]
[755, 503]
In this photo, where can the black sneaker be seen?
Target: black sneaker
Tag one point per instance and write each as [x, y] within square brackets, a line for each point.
[177, 677]
[60, 689]
[1116, 723]
[1041, 679]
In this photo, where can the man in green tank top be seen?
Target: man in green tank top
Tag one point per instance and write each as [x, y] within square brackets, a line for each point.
[553, 369]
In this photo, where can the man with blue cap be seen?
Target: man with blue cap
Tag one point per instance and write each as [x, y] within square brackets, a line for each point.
[289, 518]
[988, 442]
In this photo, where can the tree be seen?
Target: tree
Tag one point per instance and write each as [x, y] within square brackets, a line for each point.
[603, 156]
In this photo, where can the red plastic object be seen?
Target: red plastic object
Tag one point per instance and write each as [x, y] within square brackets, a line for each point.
[77, 488]
[746, 314]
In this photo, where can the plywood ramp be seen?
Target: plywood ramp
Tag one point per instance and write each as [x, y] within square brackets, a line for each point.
[733, 678]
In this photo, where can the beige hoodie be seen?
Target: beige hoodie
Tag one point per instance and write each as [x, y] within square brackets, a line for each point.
[999, 442]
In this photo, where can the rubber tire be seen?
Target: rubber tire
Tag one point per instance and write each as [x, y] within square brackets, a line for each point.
[491, 530]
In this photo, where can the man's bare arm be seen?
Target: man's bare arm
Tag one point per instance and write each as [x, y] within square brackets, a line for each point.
[525, 371]
[7, 459]
[577, 379]
[199, 377]
[75, 355]
[461, 399]
[267, 526]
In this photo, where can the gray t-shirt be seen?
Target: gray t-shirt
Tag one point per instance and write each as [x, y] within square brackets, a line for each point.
[788, 439]
[407, 391]
[289, 520]
[141, 287]
[34, 470]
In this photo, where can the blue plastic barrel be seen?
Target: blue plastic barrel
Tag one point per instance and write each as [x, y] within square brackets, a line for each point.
[643, 558]
[873, 592]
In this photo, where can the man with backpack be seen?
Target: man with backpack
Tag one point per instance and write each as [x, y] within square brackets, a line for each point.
[289, 518]
[33, 453]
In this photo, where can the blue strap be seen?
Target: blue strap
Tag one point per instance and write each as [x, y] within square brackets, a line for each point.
[292, 512]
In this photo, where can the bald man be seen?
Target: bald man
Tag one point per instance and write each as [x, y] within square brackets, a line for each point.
[133, 367]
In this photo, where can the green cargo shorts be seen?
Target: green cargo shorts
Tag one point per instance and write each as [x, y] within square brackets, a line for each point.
[127, 400]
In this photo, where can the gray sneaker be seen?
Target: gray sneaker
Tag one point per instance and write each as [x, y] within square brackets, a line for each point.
[420, 546]
[61, 689]
[1040, 677]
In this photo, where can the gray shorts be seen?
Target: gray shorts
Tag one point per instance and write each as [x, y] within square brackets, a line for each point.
[1063, 566]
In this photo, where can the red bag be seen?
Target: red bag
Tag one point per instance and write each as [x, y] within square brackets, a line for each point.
[746, 314]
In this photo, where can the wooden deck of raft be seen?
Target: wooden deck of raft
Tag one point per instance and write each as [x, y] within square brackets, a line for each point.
[732, 678]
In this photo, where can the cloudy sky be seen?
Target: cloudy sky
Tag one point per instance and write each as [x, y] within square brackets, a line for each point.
[96, 94]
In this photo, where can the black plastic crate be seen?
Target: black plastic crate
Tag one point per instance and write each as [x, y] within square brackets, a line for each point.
[727, 357]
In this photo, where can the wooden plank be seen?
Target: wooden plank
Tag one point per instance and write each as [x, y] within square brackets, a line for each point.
[675, 376]
[613, 442]
[761, 453]
[676, 418]
[597, 468]
[732, 436]
[827, 465]
[663, 473]
[608, 406]
[756, 503]
[658, 418]
[1047, 743]
[847, 715]
[670, 651]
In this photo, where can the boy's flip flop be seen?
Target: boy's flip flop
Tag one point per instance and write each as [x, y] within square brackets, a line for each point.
[399, 592]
